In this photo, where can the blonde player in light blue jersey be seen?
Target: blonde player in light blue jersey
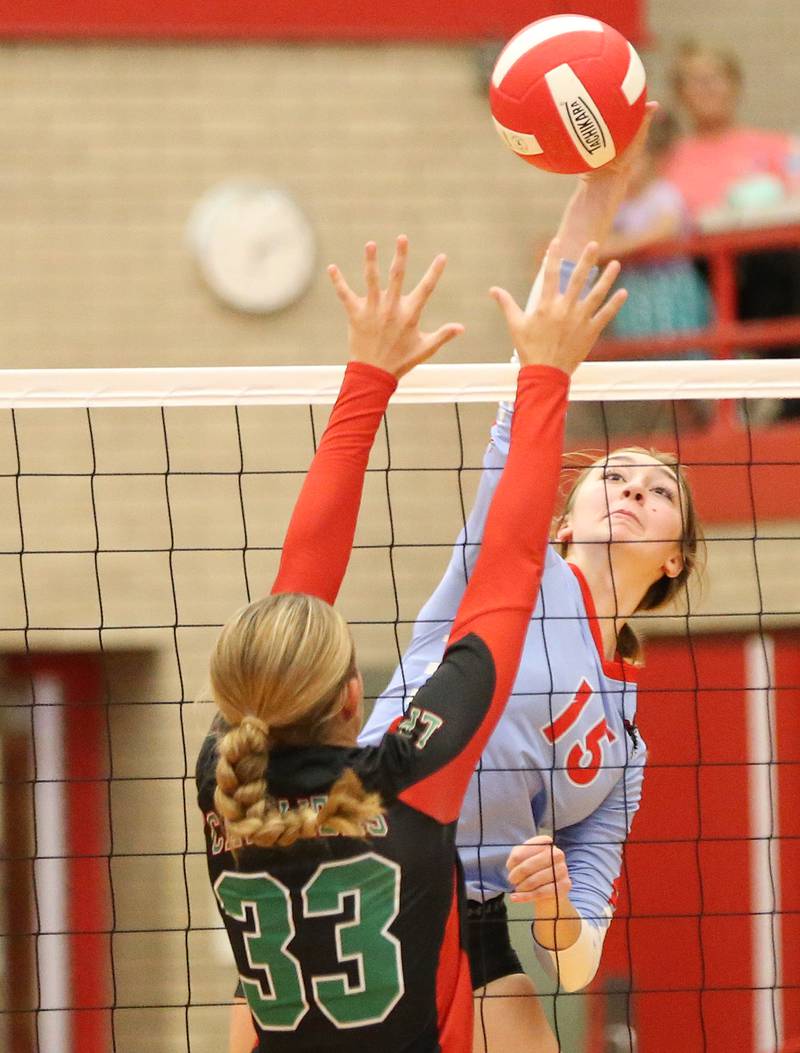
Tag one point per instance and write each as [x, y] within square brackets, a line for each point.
[549, 809]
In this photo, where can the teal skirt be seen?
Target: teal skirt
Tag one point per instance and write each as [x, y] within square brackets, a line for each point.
[668, 297]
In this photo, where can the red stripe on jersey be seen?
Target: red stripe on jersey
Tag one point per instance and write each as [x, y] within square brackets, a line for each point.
[454, 985]
[441, 794]
[613, 899]
[319, 540]
[618, 668]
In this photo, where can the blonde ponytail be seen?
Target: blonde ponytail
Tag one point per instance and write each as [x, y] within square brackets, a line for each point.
[349, 807]
[279, 672]
[253, 817]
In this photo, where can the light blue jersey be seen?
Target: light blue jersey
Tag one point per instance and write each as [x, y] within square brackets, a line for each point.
[560, 761]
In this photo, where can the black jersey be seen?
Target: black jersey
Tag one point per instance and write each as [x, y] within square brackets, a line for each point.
[338, 940]
[352, 920]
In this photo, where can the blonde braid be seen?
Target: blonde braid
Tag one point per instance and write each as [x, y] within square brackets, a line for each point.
[349, 807]
[250, 813]
[240, 796]
[279, 672]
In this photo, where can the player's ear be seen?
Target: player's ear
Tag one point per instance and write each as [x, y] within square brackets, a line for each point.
[673, 565]
[564, 530]
[353, 697]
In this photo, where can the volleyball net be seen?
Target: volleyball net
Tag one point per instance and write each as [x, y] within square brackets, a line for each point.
[143, 506]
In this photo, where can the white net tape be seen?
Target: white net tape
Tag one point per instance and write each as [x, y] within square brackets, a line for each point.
[317, 385]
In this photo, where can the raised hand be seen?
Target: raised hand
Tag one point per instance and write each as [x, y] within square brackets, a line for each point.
[563, 328]
[589, 213]
[383, 325]
[620, 167]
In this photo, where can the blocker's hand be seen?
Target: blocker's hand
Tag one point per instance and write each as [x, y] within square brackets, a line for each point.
[383, 325]
[562, 328]
[538, 871]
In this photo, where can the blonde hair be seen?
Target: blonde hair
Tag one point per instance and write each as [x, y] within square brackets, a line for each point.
[278, 675]
[664, 590]
[728, 61]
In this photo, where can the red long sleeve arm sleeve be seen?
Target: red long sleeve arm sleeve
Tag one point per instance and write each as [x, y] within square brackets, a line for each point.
[467, 694]
[502, 592]
[319, 539]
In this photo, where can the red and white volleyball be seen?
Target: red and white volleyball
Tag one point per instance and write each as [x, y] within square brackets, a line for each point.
[568, 93]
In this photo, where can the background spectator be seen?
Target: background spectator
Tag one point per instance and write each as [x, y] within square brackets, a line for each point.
[663, 295]
[722, 163]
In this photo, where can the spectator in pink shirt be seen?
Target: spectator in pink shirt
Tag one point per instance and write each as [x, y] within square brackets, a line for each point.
[720, 159]
[722, 163]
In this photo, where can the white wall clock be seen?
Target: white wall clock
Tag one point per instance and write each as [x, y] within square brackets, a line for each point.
[254, 245]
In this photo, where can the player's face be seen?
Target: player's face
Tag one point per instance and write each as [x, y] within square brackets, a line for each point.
[633, 499]
[708, 92]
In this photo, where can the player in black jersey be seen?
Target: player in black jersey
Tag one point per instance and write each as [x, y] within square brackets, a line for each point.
[334, 867]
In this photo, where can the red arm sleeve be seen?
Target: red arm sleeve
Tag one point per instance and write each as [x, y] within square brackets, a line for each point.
[319, 540]
[499, 600]
[502, 592]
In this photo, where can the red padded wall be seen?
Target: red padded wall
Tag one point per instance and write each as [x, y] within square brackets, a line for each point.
[309, 20]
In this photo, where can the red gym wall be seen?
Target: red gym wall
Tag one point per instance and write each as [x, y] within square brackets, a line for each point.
[307, 20]
[71, 687]
[703, 914]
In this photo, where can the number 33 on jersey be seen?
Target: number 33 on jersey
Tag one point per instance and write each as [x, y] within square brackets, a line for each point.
[263, 904]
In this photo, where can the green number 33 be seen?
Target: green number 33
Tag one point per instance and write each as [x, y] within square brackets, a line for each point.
[375, 883]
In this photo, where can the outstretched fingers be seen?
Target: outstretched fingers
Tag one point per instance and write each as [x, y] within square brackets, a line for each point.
[609, 311]
[342, 289]
[422, 291]
[600, 309]
[552, 269]
[443, 335]
[427, 345]
[580, 275]
[383, 324]
[372, 276]
[508, 305]
[596, 296]
[397, 270]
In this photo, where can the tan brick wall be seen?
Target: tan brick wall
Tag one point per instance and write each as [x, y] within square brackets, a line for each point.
[110, 147]
[105, 150]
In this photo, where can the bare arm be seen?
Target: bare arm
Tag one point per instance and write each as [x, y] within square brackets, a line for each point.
[590, 211]
[538, 871]
[242, 1035]
[618, 245]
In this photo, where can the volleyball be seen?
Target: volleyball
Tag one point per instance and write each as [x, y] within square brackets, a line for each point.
[568, 93]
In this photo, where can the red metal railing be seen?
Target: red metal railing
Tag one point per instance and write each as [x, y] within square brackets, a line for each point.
[727, 333]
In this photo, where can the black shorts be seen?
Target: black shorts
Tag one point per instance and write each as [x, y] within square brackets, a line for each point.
[489, 946]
